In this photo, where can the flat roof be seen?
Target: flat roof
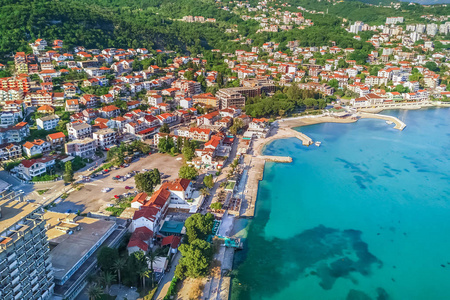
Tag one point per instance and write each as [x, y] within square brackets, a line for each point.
[67, 249]
[13, 211]
[172, 227]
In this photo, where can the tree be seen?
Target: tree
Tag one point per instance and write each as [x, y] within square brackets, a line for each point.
[188, 150]
[164, 128]
[118, 265]
[237, 125]
[333, 83]
[147, 181]
[198, 226]
[107, 278]
[208, 181]
[151, 257]
[432, 66]
[195, 260]
[216, 205]
[68, 172]
[204, 192]
[106, 258]
[94, 292]
[187, 172]
[143, 273]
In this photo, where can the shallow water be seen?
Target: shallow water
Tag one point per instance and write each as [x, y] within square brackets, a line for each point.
[364, 216]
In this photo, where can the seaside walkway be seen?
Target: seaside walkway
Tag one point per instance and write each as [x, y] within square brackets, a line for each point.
[398, 123]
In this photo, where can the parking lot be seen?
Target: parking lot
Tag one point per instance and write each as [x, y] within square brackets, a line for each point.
[90, 197]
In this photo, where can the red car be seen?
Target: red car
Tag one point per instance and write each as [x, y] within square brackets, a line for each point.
[128, 187]
[116, 196]
[118, 176]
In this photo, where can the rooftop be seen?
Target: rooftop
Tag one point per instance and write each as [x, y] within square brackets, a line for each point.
[172, 227]
[12, 211]
[68, 248]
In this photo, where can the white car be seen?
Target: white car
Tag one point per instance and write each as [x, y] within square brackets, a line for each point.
[106, 189]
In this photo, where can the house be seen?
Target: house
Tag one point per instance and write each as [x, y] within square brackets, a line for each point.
[186, 103]
[83, 148]
[180, 190]
[78, 130]
[47, 122]
[199, 134]
[30, 168]
[208, 119]
[56, 140]
[166, 118]
[10, 151]
[89, 100]
[36, 147]
[72, 105]
[110, 111]
[140, 240]
[46, 109]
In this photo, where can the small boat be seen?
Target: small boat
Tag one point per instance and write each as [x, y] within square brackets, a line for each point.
[317, 143]
[389, 122]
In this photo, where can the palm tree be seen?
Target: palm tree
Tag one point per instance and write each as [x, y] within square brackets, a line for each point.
[118, 265]
[151, 257]
[143, 273]
[94, 292]
[107, 279]
[204, 192]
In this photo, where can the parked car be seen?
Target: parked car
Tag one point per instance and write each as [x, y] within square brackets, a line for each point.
[128, 187]
[117, 196]
[118, 176]
[106, 189]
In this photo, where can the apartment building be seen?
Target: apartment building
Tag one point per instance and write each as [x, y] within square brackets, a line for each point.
[78, 130]
[10, 151]
[25, 265]
[47, 122]
[14, 134]
[83, 148]
[206, 98]
[230, 97]
[105, 137]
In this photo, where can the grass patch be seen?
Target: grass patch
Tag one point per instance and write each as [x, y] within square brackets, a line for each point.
[120, 206]
[45, 177]
[105, 166]
[41, 192]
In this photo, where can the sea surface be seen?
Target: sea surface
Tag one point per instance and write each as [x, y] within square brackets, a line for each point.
[364, 216]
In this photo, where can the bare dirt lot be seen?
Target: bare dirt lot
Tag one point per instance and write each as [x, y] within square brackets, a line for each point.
[91, 198]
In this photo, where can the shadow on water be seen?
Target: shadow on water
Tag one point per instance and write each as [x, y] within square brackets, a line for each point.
[324, 252]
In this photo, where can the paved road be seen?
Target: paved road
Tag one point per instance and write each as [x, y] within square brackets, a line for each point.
[165, 282]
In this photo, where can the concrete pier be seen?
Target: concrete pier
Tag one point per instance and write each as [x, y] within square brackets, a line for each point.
[398, 123]
[280, 159]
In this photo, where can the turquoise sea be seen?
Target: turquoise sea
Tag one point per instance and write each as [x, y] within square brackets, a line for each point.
[364, 216]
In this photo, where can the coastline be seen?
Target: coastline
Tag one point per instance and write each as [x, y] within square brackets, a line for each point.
[283, 129]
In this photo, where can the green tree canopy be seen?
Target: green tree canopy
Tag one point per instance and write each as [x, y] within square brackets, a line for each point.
[187, 172]
[147, 181]
[198, 226]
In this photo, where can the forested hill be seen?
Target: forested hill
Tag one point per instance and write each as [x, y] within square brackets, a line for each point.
[109, 23]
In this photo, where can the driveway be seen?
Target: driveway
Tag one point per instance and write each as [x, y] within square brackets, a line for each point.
[163, 286]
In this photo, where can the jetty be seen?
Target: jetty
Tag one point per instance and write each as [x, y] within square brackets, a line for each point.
[398, 123]
[280, 159]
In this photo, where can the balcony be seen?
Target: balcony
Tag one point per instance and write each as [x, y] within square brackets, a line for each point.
[13, 265]
[12, 256]
[16, 297]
